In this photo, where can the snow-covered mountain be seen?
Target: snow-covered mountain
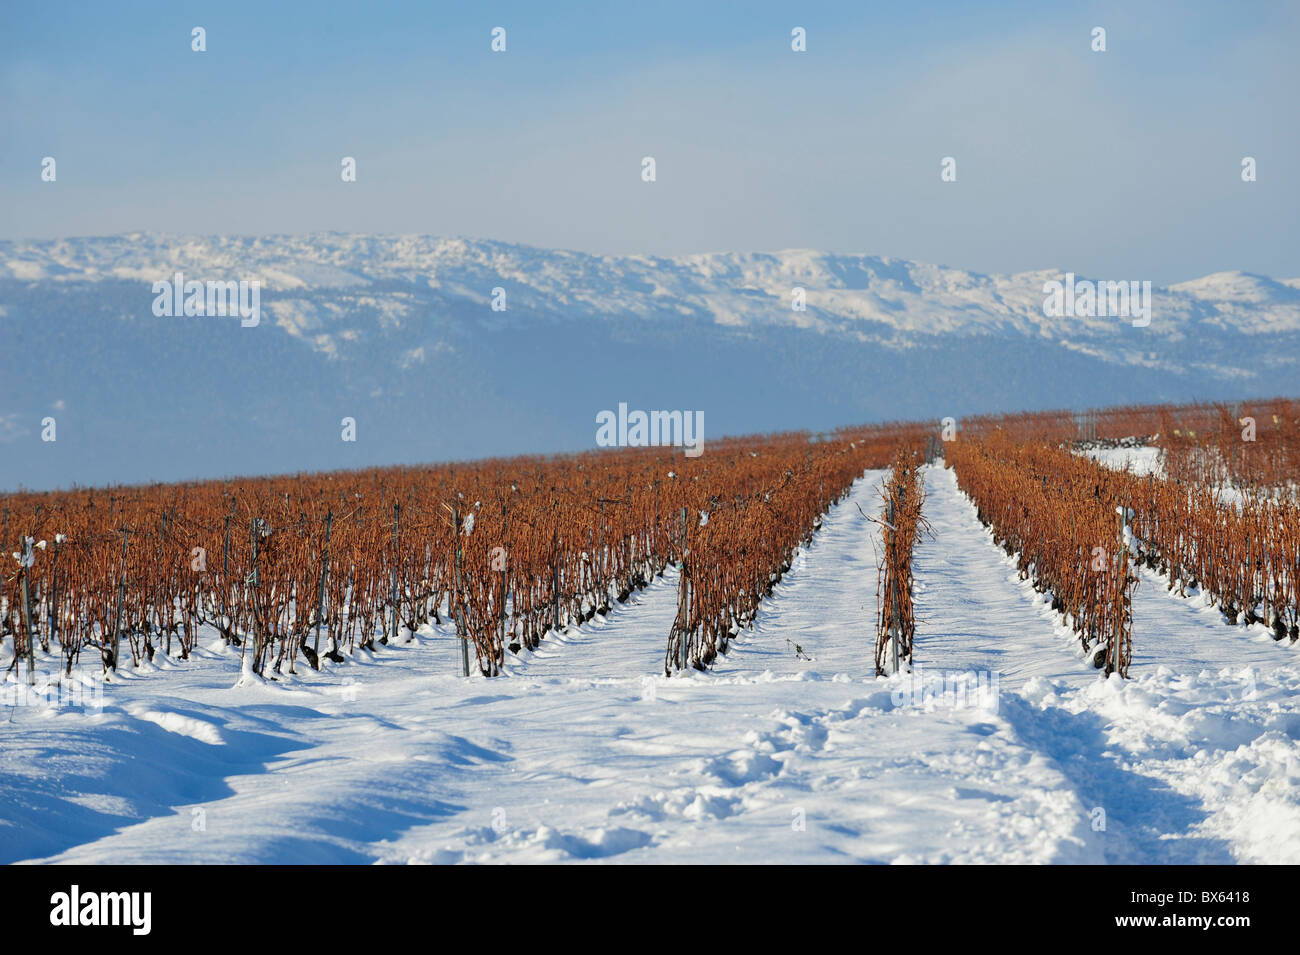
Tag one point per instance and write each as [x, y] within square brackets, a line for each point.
[399, 333]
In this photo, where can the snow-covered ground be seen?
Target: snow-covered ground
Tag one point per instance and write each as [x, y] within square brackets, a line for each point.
[1147, 460]
[788, 750]
[1139, 460]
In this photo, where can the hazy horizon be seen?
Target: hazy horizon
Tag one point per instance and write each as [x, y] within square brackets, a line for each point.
[1123, 163]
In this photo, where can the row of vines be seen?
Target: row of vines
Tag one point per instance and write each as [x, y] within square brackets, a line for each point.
[737, 549]
[1077, 529]
[1245, 554]
[1056, 513]
[311, 567]
[902, 526]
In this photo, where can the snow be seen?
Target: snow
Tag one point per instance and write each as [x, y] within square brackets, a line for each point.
[1251, 303]
[1148, 460]
[1138, 459]
[789, 750]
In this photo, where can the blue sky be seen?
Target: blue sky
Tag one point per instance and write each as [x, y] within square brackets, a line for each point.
[1124, 164]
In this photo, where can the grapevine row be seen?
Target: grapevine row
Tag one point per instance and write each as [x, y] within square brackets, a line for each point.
[1055, 513]
[902, 524]
[306, 567]
[737, 549]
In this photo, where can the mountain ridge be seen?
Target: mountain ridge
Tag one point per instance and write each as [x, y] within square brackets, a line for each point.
[715, 282]
[399, 333]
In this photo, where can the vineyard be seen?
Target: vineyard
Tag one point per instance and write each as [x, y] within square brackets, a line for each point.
[620, 435]
[687, 632]
[309, 568]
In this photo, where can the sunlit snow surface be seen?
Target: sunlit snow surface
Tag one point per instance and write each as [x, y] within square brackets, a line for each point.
[1139, 460]
[585, 752]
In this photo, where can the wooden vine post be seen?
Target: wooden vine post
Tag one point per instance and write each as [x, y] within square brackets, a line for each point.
[684, 603]
[894, 624]
[397, 516]
[501, 617]
[28, 559]
[320, 593]
[252, 579]
[457, 615]
[117, 616]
